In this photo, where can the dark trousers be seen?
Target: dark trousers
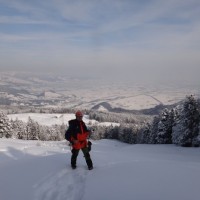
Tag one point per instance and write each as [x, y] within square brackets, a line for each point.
[86, 153]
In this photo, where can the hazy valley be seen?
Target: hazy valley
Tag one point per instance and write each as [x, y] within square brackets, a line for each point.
[26, 89]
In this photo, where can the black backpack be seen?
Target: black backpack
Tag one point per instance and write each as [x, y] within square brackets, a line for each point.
[69, 131]
[67, 135]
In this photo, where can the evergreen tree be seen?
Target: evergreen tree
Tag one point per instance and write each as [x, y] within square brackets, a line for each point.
[5, 126]
[53, 133]
[112, 132]
[186, 129]
[127, 134]
[196, 140]
[56, 133]
[19, 129]
[144, 134]
[154, 130]
[164, 134]
[99, 132]
[32, 129]
[43, 133]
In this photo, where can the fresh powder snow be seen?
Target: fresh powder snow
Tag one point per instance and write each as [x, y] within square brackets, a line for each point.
[38, 170]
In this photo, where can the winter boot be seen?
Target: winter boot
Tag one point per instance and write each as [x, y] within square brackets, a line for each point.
[73, 166]
[90, 168]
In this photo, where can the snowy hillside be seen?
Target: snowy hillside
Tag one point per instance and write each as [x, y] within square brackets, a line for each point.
[35, 170]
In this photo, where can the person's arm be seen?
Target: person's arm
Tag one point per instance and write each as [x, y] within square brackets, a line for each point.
[69, 132]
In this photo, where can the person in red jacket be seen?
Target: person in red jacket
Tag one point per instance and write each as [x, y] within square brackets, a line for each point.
[77, 134]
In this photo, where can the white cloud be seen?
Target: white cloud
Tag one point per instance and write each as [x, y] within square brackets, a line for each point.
[120, 36]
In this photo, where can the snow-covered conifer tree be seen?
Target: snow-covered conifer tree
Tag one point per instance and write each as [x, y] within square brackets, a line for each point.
[186, 127]
[127, 134]
[19, 129]
[43, 133]
[112, 132]
[164, 134]
[144, 134]
[154, 130]
[56, 134]
[32, 130]
[5, 126]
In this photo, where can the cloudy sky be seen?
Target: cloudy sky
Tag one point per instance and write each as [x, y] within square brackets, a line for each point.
[139, 39]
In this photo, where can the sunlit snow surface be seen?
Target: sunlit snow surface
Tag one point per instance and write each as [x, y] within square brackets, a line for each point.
[36, 170]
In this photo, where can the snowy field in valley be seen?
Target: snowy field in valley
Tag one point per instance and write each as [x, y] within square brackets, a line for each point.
[36, 170]
[32, 90]
[59, 119]
[127, 97]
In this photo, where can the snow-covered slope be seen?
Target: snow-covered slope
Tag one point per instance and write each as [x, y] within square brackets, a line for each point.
[36, 170]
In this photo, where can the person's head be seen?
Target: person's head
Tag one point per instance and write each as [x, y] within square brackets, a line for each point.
[79, 115]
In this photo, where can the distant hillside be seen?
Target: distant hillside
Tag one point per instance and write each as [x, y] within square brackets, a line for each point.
[150, 111]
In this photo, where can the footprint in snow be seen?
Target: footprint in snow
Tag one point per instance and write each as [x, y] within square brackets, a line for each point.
[66, 184]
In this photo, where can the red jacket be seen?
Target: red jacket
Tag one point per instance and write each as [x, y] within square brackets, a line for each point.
[77, 131]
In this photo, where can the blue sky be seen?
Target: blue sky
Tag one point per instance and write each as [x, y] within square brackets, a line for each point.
[141, 39]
